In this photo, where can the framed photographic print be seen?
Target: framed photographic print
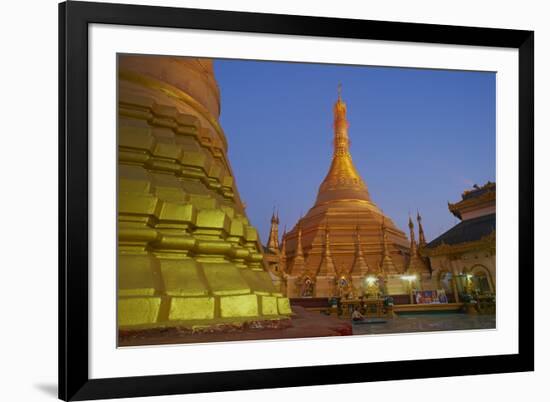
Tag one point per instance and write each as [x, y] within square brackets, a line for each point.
[258, 200]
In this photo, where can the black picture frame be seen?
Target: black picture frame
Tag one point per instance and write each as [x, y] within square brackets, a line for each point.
[74, 18]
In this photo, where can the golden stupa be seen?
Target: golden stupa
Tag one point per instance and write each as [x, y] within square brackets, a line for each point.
[345, 237]
[187, 254]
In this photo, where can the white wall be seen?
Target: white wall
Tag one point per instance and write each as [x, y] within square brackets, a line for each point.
[28, 196]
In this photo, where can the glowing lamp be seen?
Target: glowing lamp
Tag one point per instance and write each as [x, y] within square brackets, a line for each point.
[409, 278]
[370, 279]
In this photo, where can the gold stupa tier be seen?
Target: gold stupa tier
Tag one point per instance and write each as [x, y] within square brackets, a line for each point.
[345, 220]
[344, 228]
[188, 256]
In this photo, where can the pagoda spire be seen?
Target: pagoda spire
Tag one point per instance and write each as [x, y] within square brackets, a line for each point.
[282, 253]
[413, 241]
[342, 180]
[359, 267]
[341, 125]
[386, 265]
[416, 265]
[298, 262]
[283, 243]
[421, 237]
[299, 251]
[326, 267]
[273, 240]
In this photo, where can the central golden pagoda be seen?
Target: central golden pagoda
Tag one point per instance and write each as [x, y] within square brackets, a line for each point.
[345, 237]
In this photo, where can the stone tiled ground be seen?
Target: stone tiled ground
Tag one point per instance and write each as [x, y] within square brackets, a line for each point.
[307, 324]
[426, 323]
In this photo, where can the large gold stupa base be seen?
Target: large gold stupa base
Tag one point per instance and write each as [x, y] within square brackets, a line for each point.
[187, 255]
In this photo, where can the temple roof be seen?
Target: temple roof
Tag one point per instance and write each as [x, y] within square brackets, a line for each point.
[478, 191]
[467, 231]
[475, 199]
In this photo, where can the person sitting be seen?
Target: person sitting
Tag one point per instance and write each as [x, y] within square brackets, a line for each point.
[356, 315]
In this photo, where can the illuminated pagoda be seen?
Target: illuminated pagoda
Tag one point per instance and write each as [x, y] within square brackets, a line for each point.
[345, 237]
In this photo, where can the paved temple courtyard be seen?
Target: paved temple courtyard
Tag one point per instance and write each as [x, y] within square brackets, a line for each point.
[306, 324]
[425, 322]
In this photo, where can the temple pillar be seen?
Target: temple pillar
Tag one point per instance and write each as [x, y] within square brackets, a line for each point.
[491, 262]
[454, 281]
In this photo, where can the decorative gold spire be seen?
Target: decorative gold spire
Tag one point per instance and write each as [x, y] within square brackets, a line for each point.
[413, 240]
[342, 180]
[416, 265]
[326, 267]
[386, 265]
[421, 237]
[282, 260]
[299, 251]
[273, 240]
[298, 262]
[341, 125]
[359, 267]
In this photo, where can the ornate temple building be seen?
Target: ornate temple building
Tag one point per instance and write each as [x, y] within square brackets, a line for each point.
[187, 255]
[344, 240]
[463, 258]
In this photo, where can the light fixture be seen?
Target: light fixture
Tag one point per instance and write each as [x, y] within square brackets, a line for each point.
[370, 279]
[409, 278]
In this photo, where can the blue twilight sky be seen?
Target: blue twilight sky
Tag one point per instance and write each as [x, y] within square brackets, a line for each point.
[419, 138]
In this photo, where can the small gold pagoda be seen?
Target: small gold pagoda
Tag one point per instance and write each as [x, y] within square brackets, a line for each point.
[187, 255]
[345, 237]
